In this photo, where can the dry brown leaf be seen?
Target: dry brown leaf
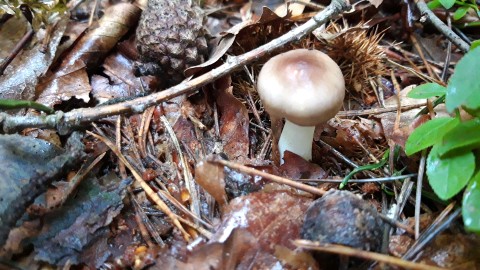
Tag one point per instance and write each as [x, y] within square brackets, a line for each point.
[121, 82]
[224, 254]
[295, 167]
[297, 259]
[376, 3]
[246, 36]
[295, 8]
[408, 119]
[234, 122]
[21, 76]
[70, 78]
[272, 218]
[64, 85]
[459, 251]
[433, 48]
[212, 178]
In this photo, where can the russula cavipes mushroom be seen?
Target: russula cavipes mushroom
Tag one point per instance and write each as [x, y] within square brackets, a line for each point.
[306, 87]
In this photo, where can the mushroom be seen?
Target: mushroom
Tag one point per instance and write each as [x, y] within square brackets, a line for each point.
[306, 87]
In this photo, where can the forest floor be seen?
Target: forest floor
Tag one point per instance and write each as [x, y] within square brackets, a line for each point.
[103, 168]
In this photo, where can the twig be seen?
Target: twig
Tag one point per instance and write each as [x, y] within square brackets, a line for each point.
[414, 72]
[339, 155]
[449, 52]
[441, 223]
[397, 224]
[367, 180]
[277, 179]
[422, 56]
[187, 176]
[418, 195]
[16, 50]
[142, 221]
[148, 190]
[344, 250]
[449, 34]
[63, 122]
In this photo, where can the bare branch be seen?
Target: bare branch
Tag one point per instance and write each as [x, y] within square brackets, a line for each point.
[64, 122]
[447, 32]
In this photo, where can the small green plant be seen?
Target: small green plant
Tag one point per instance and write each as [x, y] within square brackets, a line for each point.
[461, 7]
[43, 12]
[452, 161]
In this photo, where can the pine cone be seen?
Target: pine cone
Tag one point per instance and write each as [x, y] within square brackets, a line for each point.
[170, 38]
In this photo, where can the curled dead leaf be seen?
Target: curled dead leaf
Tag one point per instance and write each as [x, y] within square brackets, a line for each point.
[211, 178]
[70, 79]
[272, 218]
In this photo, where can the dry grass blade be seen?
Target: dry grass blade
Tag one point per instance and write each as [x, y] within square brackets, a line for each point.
[182, 208]
[397, 224]
[348, 251]
[77, 179]
[271, 177]
[441, 223]
[352, 113]
[187, 176]
[143, 130]
[414, 72]
[148, 190]
[418, 195]
[145, 226]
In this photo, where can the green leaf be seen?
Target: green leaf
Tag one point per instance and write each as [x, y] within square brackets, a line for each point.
[449, 175]
[434, 4]
[447, 3]
[428, 134]
[463, 137]
[464, 85]
[460, 13]
[471, 205]
[427, 90]
[475, 44]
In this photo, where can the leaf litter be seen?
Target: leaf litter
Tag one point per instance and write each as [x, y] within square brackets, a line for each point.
[241, 221]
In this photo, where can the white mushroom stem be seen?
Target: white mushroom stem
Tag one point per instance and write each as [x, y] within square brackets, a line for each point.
[296, 139]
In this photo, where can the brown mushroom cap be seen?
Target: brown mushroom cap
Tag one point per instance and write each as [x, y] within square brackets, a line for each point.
[304, 86]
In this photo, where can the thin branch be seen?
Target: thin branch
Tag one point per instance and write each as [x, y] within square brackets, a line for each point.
[449, 34]
[348, 251]
[344, 114]
[274, 178]
[64, 122]
[148, 190]
[25, 39]
[367, 180]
